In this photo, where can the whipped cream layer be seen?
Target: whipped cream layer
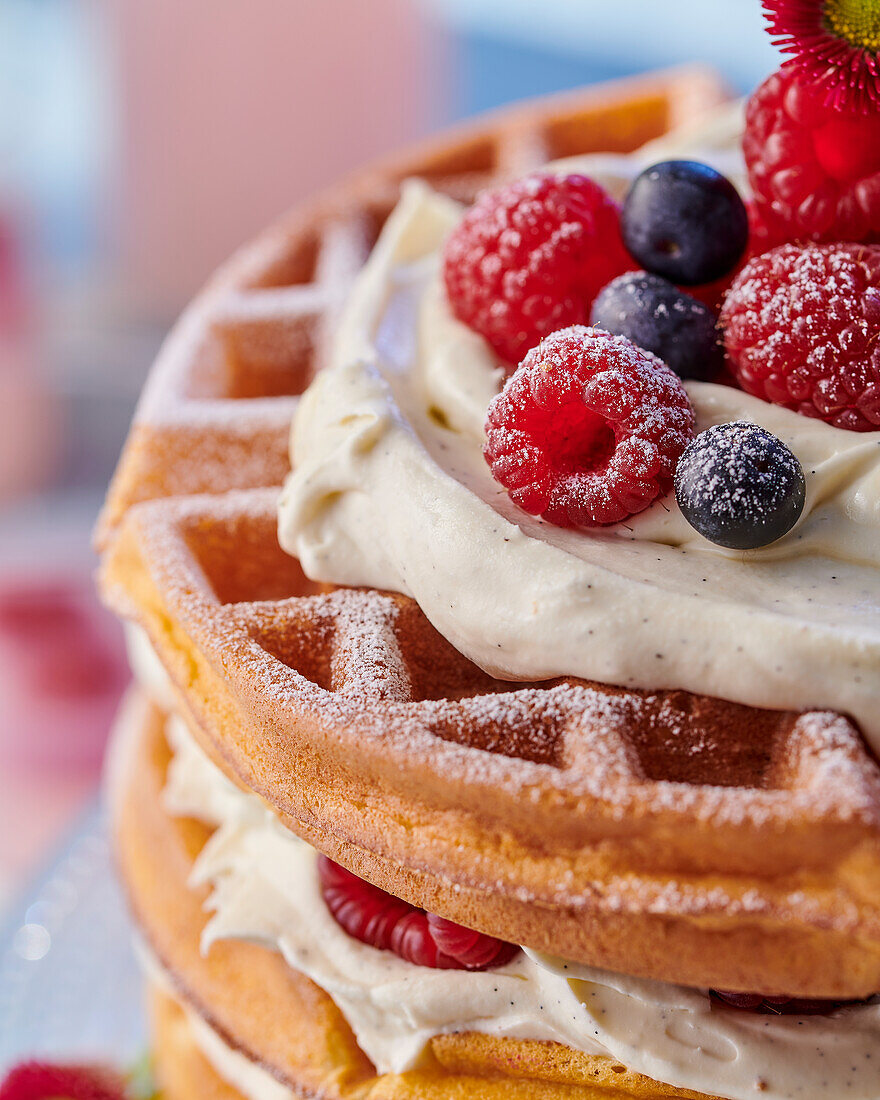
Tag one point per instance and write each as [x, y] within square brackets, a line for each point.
[390, 490]
[147, 668]
[235, 1068]
[266, 890]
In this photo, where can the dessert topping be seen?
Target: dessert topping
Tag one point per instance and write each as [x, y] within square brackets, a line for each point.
[683, 220]
[530, 257]
[588, 429]
[740, 486]
[385, 922]
[660, 318]
[814, 170]
[802, 329]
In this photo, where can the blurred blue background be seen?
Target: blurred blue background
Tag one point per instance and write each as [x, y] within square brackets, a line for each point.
[508, 49]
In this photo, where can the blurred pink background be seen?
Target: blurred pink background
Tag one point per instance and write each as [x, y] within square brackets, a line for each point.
[206, 161]
[203, 122]
[140, 142]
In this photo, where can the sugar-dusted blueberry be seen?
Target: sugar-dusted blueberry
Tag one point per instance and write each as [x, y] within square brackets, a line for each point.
[660, 318]
[685, 221]
[740, 486]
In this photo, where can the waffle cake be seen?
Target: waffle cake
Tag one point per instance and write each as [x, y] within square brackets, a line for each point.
[645, 845]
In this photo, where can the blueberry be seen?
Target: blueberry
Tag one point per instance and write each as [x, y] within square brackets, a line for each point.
[739, 486]
[685, 221]
[659, 317]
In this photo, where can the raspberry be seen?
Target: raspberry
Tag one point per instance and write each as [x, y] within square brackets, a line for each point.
[41, 1081]
[814, 170]
[588, 429]
[529, 258]
[389, 924]
[801, 330]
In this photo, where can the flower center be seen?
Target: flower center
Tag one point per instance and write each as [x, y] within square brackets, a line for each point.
[858, 21]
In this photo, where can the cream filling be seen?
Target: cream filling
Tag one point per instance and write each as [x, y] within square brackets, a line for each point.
[235, 1068]
[714, 139]
[265, 890]
[390, 490]
[147, 668]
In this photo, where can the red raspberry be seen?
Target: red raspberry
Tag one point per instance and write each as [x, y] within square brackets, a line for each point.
[40, 1081]
[588, 430]
[814, 170]
[802, 329]
[529, 258]
[389, 924]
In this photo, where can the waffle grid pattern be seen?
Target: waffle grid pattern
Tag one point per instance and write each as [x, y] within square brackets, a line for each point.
[680, 825]
[381, 745]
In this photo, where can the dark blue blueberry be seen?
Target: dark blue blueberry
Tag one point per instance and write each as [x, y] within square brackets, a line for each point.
[685, 221]
[739, 486]
[659, 317]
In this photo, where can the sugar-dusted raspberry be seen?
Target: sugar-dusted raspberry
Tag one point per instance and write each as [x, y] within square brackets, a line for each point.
[588, 430]
[383, 921]
[530, 257]
[43, 1081]
[814, 170]
[801, 330]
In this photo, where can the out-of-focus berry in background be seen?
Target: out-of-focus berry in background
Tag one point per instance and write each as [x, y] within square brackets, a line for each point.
[140, 142]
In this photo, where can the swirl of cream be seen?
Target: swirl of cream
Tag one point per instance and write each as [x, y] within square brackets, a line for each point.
[390, 490]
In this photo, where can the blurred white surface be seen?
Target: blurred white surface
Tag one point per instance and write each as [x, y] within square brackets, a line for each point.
[42, 540]
[55, 128]
[69, 984]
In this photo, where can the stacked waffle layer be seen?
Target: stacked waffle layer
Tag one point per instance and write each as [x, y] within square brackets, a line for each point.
[637, 849]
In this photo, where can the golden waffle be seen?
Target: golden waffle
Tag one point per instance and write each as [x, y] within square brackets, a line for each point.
[215, 414]
[277, 1017]
[666, 835]
[661, 834]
